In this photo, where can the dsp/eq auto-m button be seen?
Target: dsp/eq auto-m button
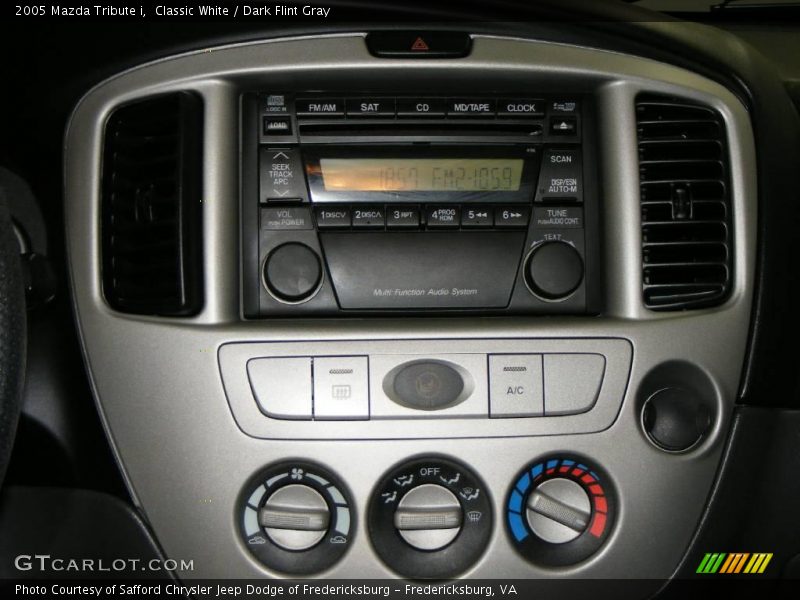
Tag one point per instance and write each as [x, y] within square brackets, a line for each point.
[561, 176]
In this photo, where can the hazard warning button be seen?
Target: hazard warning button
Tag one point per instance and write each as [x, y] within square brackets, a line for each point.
[419, 44]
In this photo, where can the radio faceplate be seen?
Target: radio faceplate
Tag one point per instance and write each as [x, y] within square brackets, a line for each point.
[380, 204]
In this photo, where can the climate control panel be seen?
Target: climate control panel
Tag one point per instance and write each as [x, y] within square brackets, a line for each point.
[430, 517]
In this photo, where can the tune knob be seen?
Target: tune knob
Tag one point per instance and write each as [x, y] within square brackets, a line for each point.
[560, 511]
[292, 272]
[430, 518]
[554, 270]
[296, 518]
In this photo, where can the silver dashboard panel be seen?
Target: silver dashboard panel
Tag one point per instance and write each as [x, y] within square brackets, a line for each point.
[234, 357]
[157, 382]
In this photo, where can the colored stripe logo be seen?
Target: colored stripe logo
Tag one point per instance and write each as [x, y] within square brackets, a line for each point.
[735, 562]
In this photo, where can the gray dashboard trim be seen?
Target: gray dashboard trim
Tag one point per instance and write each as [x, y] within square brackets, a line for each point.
[157, 383]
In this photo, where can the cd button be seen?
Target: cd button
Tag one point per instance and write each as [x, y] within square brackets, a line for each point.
[369, 217]
[476, 216]
[402, 217]
[442, 217]
[421, 107]
[333, 217]
[512, 216]
[370, 107]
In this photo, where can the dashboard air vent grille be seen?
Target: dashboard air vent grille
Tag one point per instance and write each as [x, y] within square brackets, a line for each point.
[151, 206]
[685, 203]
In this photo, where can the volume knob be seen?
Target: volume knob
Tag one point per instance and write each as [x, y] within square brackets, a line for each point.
[292, 272]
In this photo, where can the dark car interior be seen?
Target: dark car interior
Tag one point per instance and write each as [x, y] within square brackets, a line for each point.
[413, 291]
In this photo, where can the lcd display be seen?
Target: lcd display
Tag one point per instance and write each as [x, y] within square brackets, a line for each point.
[421, 174]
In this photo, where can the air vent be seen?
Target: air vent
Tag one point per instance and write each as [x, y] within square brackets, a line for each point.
[685, 202]
[151, 206]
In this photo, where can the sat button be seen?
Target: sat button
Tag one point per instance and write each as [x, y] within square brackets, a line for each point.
[370, 107]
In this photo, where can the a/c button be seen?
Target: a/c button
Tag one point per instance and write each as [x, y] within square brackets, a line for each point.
[515, 385]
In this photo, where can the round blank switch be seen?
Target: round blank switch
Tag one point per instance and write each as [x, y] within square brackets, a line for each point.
[427, 385]
[295, 517]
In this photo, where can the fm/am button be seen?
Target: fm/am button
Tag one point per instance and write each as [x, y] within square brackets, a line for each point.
[515, 385]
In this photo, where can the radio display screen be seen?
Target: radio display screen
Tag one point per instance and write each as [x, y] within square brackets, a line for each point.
[421, 174]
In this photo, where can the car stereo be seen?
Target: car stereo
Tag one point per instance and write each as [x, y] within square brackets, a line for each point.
[378, 203]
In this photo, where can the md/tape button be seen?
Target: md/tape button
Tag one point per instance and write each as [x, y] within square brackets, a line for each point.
[515, 385]
[341, 387]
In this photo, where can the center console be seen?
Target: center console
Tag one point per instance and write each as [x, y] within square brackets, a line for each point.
[358, 316]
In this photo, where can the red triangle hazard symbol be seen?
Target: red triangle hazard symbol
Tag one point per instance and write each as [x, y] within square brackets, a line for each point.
[419, 44]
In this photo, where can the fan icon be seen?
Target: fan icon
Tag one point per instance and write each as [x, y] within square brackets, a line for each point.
[297, 473]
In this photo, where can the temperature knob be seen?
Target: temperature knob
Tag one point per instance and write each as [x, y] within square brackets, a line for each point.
[560, 511]
[296, 518]
[430, 518]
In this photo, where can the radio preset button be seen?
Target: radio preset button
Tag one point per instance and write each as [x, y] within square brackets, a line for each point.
[334, 217]
[369, 217]
[319, 107]
[402, 217]
[470, 107]
[370, 107]
[286, 217]
[442, 217]
[476, 217]
[520, 107]
[421, 107]
[512, 216]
